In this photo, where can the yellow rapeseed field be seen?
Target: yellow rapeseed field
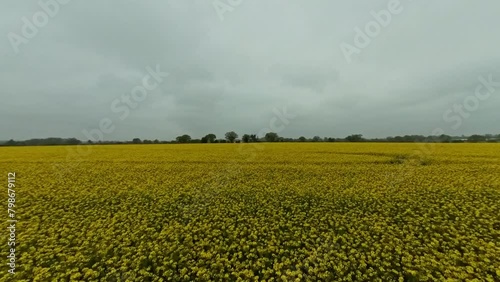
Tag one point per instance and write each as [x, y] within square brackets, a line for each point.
[247, 212]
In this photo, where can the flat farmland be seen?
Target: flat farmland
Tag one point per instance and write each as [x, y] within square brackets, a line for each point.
[255, 212]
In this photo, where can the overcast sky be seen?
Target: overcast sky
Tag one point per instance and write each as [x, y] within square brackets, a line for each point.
[231, 68]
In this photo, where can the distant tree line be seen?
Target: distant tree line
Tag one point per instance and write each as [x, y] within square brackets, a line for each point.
[43, 141]
[233, 137]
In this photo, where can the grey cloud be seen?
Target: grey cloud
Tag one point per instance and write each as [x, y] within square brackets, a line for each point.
[229, 75]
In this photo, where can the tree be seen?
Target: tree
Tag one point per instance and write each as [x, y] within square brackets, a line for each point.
[209, 138]
[136, 141]
[316, 139]
[302, 139]
[355, 138]
[245, 138]
[156, 141]
[271, 137]
[231, 136]
[254, 138]
[183, 139]
[476, 138]
[445, 138]
[73, 141]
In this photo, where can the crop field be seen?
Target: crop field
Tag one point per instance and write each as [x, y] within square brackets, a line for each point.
[255, 212]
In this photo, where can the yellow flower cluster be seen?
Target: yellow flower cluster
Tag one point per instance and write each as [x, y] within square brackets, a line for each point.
[237, 212]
